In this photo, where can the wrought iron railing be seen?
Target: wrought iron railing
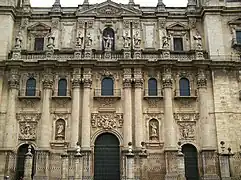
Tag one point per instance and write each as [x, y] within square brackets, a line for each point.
[185, 93]
[29, 93]
[107, 93]
[153, 93]
[61, 93]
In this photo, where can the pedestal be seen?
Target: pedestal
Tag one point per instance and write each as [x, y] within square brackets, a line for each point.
[64, 170]
[130, 166]
[78, 54]
[108, 54]
[172, 170]
[166, 54]
[127, 54]
[16, 55]
[137, 54]
[78, 171]
[28, 166]
[181, 166]
[199, 55]
[88, 54]
[224, 163]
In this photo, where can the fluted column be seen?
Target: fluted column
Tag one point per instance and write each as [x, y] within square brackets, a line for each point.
[169, 123]
[127, 126]
[87, 81]
[45, 130]
[208, 135]
[139, 124]
[10, 139]
[75, 114]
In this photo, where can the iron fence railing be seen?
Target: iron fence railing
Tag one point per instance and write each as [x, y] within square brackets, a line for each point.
[107, 93]
[153, 93]
[29, 93]
[185, 93]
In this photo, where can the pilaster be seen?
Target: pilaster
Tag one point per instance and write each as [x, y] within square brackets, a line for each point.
[127, 80]
[45, 130]
[28, 164]
[87, 81]
[10, 140]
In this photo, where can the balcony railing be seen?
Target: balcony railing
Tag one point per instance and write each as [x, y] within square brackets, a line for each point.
[107, 93]
[153, 93]
[61, 93]
[29, 93]
[182, 93]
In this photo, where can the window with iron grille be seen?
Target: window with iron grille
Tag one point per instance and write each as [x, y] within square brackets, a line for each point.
[178, 44]
[30, 87]
[39, 44]
[62, 87]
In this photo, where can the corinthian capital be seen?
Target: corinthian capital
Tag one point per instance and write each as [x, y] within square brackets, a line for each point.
[138, 78]
[48, 79]
[167, 78]
[201, 78]
[127, 78]
[87, 78]
[76, 80]
[13, 80]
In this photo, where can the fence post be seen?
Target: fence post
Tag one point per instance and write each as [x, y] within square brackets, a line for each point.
[78, 171]
[28, 164]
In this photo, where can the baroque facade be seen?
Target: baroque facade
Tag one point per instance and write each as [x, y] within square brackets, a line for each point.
[119, 91]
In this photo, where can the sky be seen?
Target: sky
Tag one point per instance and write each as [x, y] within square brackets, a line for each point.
[74, 3]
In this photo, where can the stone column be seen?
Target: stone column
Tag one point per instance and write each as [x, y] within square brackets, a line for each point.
[28, 165]
[169, 122]
[139, 124]
[130, 163]
[10, 139]
[46, 123]
[209, 140]
[78, 171]
[75, 115]
[86, 125]
[127, 126]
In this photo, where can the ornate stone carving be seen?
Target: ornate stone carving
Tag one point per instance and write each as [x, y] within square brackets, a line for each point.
[79, 40]
[80, 24]
[127, 79]
[60, 130]
[154, 130]
[88, 41]
[29, 103]
[55, 23]
[162, 23]
[137, 40]
[127, 40]
[107, 120]
[126, 24]
[138, 78]
[167, 78]
[201, 78]
[198, 41]
[18, 41]
[87, 78]
[192, 23]
[13, 80]
[186, 116]
[48, 79]
[166, 41]
[153, 102]
[24, 23]
[28, 125]
[76, 80]
[108, 42]
[109, 10]
[187, 130]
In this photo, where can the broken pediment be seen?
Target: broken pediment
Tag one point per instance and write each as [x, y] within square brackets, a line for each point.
[178, 26]
[109, 8]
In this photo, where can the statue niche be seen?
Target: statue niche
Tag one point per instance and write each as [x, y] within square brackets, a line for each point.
[154, 130]
[60, 130]
[108, 41]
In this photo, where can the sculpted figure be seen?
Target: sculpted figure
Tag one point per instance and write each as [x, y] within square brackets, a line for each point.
[127, 40]
[79, 40]
[108, 41]
[18, 40]
[198, 40]
[137, 40]
[166, 41]
[153, 129]
[88, 40]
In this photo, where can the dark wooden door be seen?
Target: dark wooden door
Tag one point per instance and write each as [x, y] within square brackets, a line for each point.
[191, 162]
[107, 158]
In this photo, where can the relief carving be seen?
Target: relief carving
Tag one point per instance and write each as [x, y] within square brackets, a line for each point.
[167, 78]
[28, 125]
[107, 120]
[187, 131]
[13, 80]
[201, 78]
[186, 116]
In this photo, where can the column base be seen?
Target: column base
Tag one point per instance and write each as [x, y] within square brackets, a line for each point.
[172, 176]
[211, 177]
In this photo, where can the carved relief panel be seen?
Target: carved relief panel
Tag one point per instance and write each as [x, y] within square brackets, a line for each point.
[107, 120]
[28, 125]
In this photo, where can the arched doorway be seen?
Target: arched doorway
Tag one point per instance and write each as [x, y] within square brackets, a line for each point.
[191, 162]
[22, 150]
[107, 157]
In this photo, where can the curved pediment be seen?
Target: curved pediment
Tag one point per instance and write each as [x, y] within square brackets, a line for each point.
[109, 9]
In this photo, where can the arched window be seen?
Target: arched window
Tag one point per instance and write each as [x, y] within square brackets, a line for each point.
[62, 87]
[107, 87]
[22, 151]
[108, 39]
[191, 162]
[30, 87]
[152, 87]
[184, 87]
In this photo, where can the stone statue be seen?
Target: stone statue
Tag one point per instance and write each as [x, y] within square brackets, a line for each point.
[60, 128]
[51, 39]
[79, 40]
[88, 40]
[108, 41]
[137, 40]
[198, 40]
[166, 41]
[154, 130]
[127, 40]
[18, 40]
[27, 131]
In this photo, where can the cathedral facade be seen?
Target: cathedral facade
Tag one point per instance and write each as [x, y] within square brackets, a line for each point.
[113, 91]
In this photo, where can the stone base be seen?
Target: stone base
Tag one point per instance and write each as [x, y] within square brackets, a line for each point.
[211, 177]
[171, 176]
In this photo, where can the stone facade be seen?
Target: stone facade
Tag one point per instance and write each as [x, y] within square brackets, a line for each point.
[129, 45]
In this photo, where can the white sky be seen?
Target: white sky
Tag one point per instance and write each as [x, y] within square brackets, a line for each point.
[74, 3]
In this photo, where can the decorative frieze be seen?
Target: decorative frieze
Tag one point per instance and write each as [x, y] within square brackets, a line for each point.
[28, 125]
[127, 79]
[167, 78]
[13, 80]
[76, 80]
[138, 78]
[187, 130]
[107, 120]
[48, 80]
[87, 78]
[201, 78]
[186, 116]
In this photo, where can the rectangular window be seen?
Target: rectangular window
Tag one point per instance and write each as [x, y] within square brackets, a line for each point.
[39, 44]
[238, 37]
[178, 44]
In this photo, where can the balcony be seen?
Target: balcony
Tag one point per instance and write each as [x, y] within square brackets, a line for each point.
[185, 94]
[153, 94]
[29, 94]
[61, 94]
[108, 93]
